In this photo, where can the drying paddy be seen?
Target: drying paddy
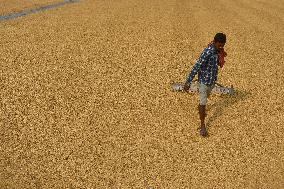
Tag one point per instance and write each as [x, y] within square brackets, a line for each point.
[10, 6]
[85, 98]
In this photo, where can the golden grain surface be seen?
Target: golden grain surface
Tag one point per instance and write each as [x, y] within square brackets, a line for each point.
[10, 6]
[86, 100]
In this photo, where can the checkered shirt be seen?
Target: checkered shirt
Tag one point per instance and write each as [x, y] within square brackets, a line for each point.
[206, 67]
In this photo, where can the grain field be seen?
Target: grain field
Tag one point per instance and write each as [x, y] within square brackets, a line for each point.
[11, 6]
[85, 97]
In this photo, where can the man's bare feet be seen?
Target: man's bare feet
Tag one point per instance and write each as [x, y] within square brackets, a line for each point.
[203, 131]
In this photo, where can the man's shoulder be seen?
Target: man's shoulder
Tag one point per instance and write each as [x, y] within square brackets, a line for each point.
[208, 51]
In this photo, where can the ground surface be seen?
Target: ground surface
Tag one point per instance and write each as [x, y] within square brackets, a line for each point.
[10, 6]
[86, 100]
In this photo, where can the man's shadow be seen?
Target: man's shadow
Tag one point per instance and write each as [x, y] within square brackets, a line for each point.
[226, 101]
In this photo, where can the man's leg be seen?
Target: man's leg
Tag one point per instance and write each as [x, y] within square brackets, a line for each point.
[203, 92]
[209, 89]
[202, 115]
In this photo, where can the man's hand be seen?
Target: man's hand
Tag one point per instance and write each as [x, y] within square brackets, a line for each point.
[186, 87]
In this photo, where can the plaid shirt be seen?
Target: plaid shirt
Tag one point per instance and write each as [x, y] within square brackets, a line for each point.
[206, 67]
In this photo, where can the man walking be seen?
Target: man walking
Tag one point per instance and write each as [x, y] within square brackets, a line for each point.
[207, 69]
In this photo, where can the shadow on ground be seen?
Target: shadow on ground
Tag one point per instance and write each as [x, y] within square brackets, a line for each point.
[225, 102]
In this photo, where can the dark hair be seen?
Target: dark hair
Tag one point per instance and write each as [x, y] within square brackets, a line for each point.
[220, 37]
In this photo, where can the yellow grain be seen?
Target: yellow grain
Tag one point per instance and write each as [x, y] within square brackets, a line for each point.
[86, 99]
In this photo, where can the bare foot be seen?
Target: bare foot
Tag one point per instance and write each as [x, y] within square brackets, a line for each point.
[203, 131]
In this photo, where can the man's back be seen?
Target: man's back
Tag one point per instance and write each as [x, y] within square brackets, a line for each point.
[209, 68]
[206, 66]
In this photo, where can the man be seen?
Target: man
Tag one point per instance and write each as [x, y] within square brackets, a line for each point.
[207, 69]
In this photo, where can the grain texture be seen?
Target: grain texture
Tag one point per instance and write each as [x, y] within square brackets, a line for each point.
[11, 6]
[85, 98]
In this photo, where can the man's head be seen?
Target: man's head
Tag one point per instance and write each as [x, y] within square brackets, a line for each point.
[219, 41]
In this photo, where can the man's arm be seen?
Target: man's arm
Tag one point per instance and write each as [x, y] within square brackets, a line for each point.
[196, 68]
[193, 72]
